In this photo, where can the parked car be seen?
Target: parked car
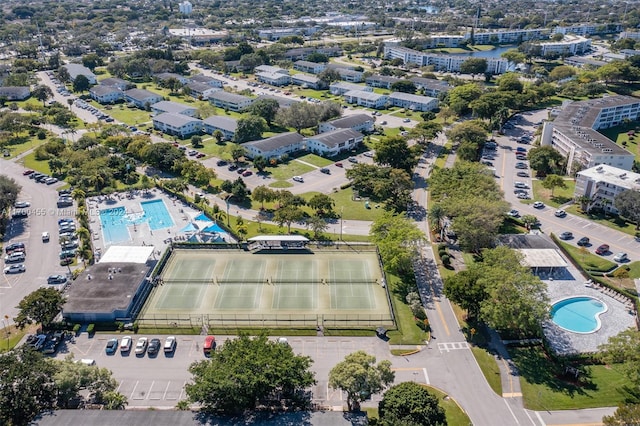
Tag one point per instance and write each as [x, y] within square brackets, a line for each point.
[522, 174]
[209, 344]
[339, 165]
[21, 204]
[112, 346]
[221, 163]
[154, 346]
[15, 269]
[566, 235]
[521, 185]
[298, 178]
[369, 154]
[583, 241]
[247, 173]
[15, 257]
[521, 165]
[170, 344]
[560, 213]
[352, 160]
[125, 344]
[13, 247]
[56, 279]
[620, 257]
[325, 170]
[602, 249]
[45, 237]
[141, 346]
[538, 205]
[513, 213]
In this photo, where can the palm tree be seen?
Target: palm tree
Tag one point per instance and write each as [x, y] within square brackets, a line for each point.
[584, 203]
[242, 230]
[83, 233]
[218, 215]
[78, 195]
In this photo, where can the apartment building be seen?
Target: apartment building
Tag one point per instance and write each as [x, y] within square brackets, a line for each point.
[603, 183]
[413, 102]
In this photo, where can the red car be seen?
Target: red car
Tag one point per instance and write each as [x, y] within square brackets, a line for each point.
[603, 249]
[200, 155]
[27, 172]
[247, 173]
[209, 344]
[339, 165]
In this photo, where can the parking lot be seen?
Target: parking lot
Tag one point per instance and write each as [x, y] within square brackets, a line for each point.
[159, 381]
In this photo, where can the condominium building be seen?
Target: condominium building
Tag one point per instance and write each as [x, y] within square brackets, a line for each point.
[230, 101]
[413, 102]
[574, 134]
[570, 45]
[366, 99]
[448, 63]
[601, 184]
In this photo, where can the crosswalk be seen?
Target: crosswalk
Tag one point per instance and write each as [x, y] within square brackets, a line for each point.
[452, 346]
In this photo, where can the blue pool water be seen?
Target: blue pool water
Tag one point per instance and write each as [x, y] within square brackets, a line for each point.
[156, 214]
[578, 314]
[114, 225]
[115, 221]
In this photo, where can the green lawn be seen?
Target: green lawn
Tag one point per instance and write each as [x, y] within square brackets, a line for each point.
[560, 195]
[408, 332]
[354, 210]
[26, 143]
[288, 170]
[30, 162]
[613, 222]
[619, 135]
[634, 269]
[316, 160]
[588, 260]
[125, 114]
[545, 387]
[489, 368]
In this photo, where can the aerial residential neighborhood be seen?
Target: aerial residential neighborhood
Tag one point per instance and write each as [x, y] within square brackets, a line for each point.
[399, 213]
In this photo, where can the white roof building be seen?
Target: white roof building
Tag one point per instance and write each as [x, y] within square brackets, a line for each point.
[603, 183]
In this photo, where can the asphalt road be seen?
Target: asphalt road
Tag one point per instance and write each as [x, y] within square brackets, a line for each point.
[42, 258]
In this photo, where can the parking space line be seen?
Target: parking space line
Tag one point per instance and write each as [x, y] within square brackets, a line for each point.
[134, 389]
[426, 376]
[164, 396]
[149, 393]
[182, 390]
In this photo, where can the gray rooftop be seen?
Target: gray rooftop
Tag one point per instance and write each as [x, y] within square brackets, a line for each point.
[411, 97]
[306, 78]
[282, 101]
[219, 121]
[198, 87]
[188, 418]
[201, 78]
[383, 78]
[168, 75]
[431, 83]
[140, 94]
[229, 97]
[335, 137]
[101, 90]
[526, 241]
[309, 64]
[350, 121]
[78, 69]
[170, 106]
[113, 81]
[174, 120]
[275, 142]
[371, 96]
[101, 294]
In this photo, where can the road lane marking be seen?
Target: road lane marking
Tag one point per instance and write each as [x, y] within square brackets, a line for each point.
[540, 418]
[426, 376]
[511, 411]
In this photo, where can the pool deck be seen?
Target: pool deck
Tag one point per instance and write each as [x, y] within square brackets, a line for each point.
[616, 319]
[141, 234]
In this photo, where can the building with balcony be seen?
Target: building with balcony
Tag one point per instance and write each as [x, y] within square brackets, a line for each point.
[177, 124]
[601, 184]
[366, 99]
[413, 102]
[574, 133]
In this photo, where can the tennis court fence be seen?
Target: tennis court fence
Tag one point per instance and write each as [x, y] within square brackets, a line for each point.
[273, 281]
[239, 320]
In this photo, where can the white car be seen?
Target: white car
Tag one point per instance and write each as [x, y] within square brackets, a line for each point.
[125, 344]
[298, 178]
[513, 213]
[560, 213]
[538, 205]
[170, 344]
[620, 257]
[21, 204]
[141, 346]
[14, 269]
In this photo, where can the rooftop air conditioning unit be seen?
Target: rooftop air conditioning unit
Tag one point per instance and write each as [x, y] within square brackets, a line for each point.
[599, 168]
[607, 150]
[622, 176]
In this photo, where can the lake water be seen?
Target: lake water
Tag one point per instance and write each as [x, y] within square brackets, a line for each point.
[495, 53]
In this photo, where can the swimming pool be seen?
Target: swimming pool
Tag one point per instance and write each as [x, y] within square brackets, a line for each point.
[114, 225]
[156, 214]
[578, 314]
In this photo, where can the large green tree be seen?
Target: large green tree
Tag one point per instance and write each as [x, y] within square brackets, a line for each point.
[552, 182]
[250, 128]
[459, 97]
[42, 93]
[628, 205]
[474, 66]
[40, 306]
[27, 387]
[248, 371]
[398, 239]
[395, 152]
[73, 377]
[545, 160]
[410, 404]
[265, 108]
[9, 191]
[360, 377]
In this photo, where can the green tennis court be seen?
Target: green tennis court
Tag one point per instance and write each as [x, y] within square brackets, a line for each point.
[222, 286]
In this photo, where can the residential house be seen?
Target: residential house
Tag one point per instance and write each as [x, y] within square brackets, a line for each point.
[177, 124]
[201, 90]
[366, 99]
[347, 73]
[310, 67]
[273, 78]
[341, 87]
[413, 102]
[334, 142]
[106, 94]
[174, 108]
[15, 93]
[226, 125]
[574, 132]
[283, 102]
[359, 122]
[310, 81]
[201, 78]
[301, 53]
[601, 184]
[230, 101]
[275, 146]
[381, 81]
[431, 87]
[164, 76]
[141, 98]
[271, 69]
[117, 82]
[75, 70]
